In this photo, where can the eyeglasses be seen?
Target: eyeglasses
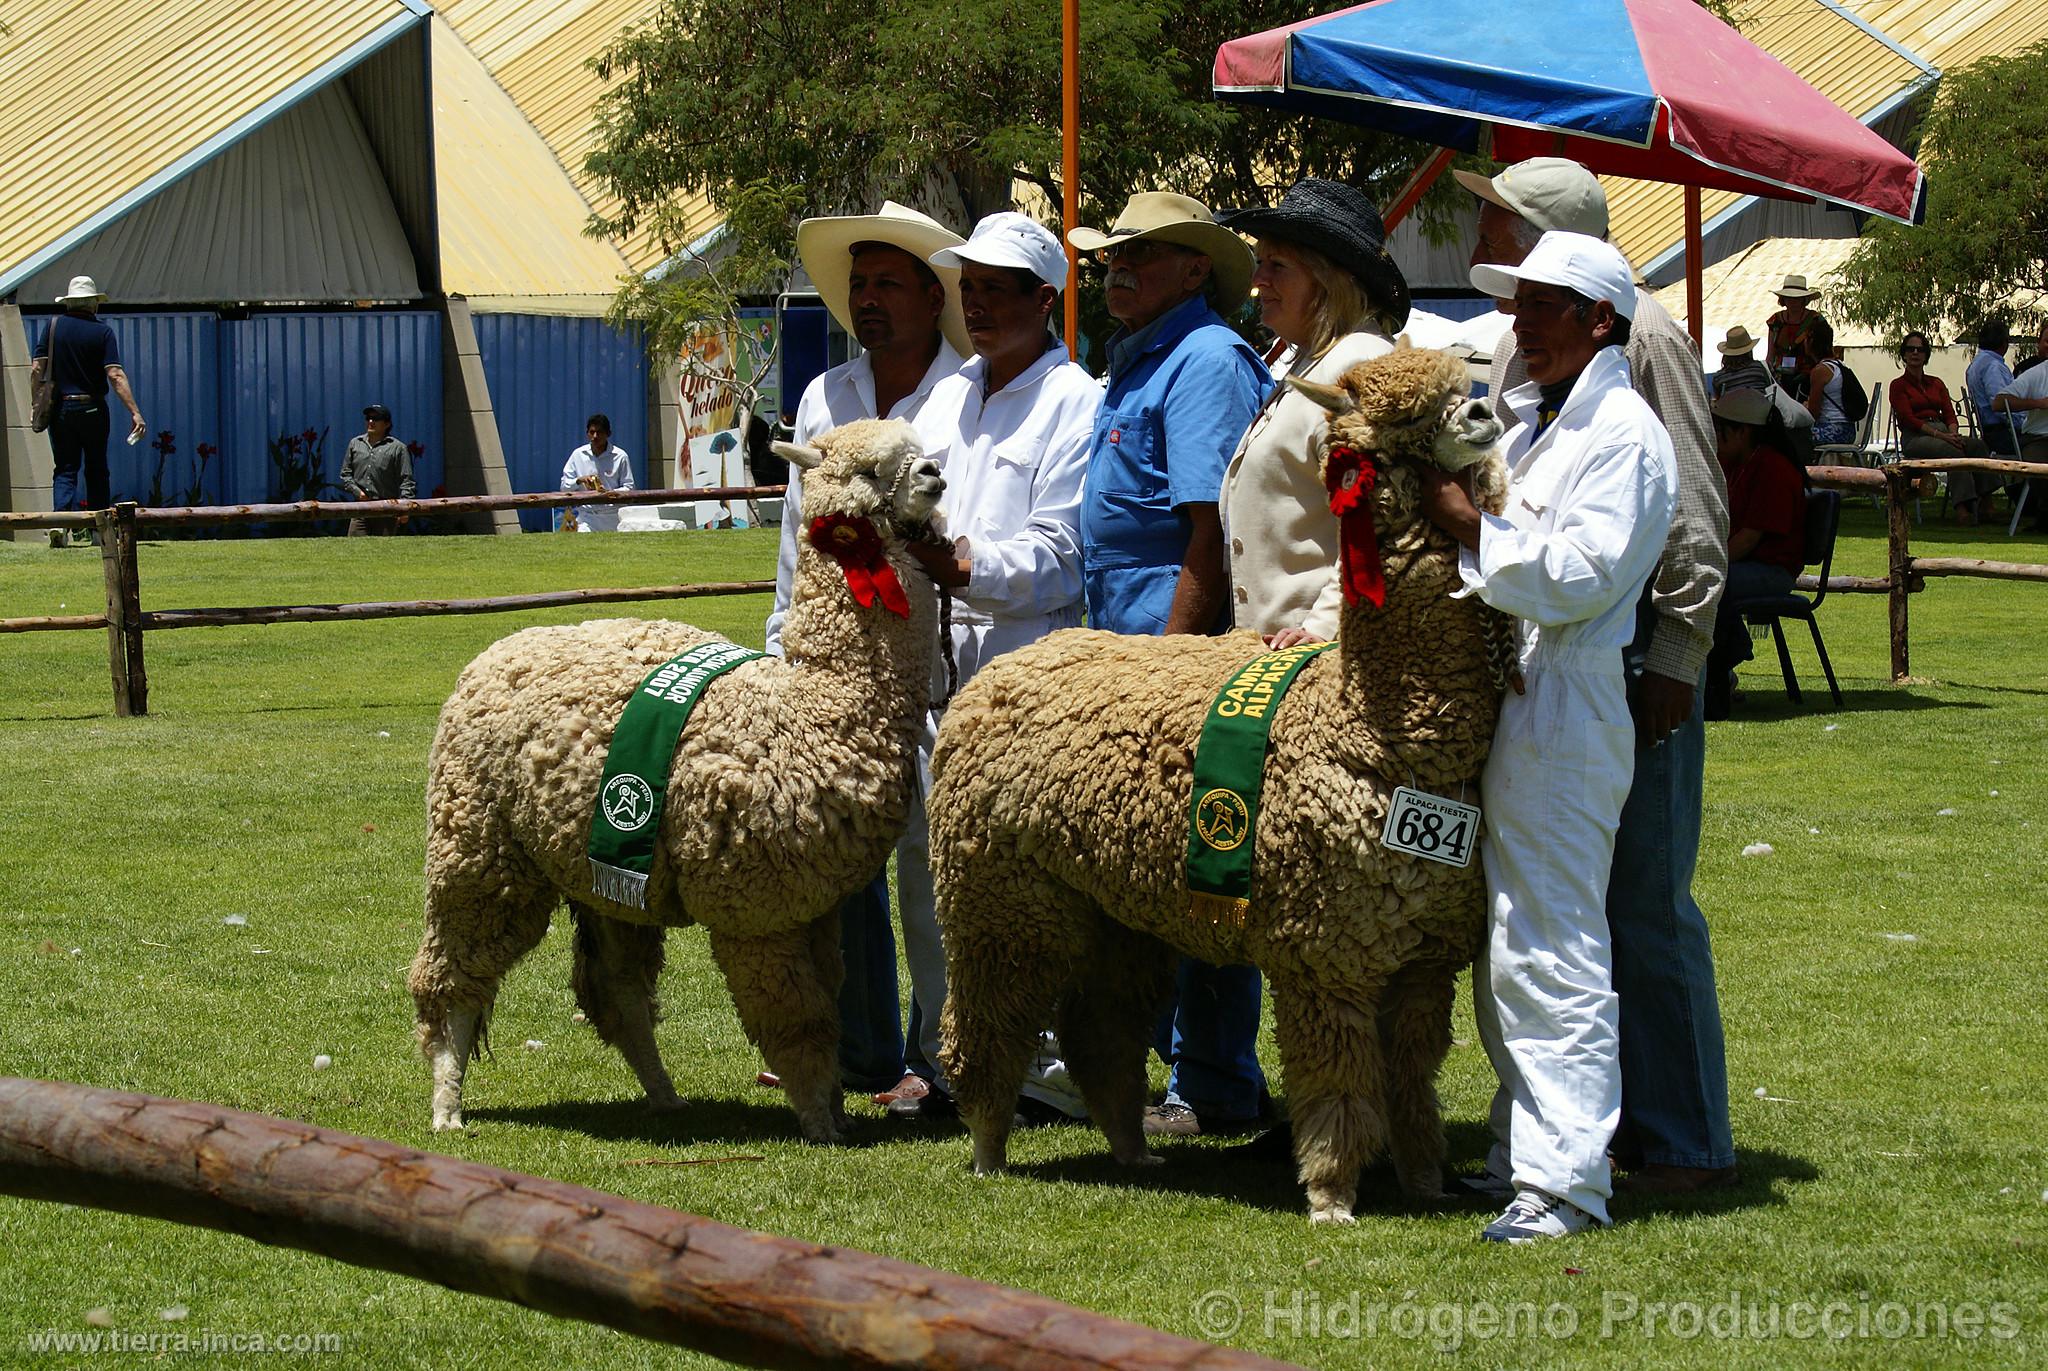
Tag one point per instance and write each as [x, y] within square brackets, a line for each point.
[1912, 352]
[1135, 254]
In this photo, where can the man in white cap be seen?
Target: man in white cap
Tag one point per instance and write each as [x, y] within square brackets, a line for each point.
[83, 357]
[1017, 421]
[1182, 389]
[1591, 491]
[1674, 1133]
[872, 272]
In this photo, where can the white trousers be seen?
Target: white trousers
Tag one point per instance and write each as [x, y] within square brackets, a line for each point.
[1559, 772]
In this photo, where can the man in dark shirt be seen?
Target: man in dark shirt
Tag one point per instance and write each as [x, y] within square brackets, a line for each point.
[377, 467]
[87, 361]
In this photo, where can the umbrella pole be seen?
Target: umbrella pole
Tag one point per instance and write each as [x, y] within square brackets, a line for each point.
[1070, 160]
[1416, 186]
[1695, 291]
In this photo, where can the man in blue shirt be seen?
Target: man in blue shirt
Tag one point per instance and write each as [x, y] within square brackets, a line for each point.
[1988, 376]
[85, 363]
[1182, 389]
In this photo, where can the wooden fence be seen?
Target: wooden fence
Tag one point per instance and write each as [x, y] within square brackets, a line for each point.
[126, 621]
[1906, 575]
[745, 1296]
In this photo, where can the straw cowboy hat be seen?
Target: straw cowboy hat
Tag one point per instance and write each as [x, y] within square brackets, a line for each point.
[825, 247]
[1339, 222]
[1738, 344]
[82, 288]
[1168, 218]
[1795, 288]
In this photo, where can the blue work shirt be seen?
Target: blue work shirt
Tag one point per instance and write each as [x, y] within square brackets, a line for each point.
[85, 349]
[1184, 387]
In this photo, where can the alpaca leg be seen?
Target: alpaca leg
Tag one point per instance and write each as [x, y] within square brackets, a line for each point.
[476, 931]
[1105, 1028]
[1415, 1035]
[790, 1014]
[1335, 1090]
[616, 967]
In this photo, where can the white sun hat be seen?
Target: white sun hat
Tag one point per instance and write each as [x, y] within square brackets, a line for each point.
[825, 247]
[82, 288]
[1575, 261]
[1010, 239]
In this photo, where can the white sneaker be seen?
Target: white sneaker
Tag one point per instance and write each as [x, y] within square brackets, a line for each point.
[1534, 1215]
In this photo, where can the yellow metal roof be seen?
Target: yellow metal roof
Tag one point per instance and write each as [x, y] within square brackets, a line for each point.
[167, 89]
[1839, 58]
[536, 50]
[511, 219]
[1743, 289]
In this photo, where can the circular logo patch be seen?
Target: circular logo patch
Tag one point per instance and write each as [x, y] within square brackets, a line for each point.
[628, 803]
[1222, 819]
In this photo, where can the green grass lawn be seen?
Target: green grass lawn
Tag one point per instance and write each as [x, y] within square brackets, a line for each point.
[1880, 978]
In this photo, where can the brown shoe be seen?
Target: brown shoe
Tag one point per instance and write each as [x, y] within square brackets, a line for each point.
[911, 1087]
[1659, 1179]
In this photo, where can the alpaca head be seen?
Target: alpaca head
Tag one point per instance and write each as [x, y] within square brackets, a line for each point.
[872, 469]
[1403, 409]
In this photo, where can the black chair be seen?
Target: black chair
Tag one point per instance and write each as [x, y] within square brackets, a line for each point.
[1823, 517]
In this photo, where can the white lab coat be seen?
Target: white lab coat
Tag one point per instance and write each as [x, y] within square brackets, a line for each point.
[1589, 506]
[840, 396]
[614, 471]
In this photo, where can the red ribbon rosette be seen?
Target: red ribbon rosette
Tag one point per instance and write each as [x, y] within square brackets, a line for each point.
[1350, 476]
[854, 544]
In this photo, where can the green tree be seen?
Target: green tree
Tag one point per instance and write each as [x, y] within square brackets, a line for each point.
[1985, 143]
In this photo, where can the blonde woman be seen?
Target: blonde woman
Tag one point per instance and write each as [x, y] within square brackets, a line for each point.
[1333, 298]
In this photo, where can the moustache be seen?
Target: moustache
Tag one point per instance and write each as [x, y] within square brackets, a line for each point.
[1124, 280]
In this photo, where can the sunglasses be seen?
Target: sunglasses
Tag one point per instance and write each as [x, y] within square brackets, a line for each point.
[1913, 352]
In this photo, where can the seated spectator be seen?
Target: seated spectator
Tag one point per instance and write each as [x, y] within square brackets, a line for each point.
[1927, 424]
[2027, 395]
[1987, 377]
[1766, 527]
[599, 464]
[1831, 422]
[1739, 366]
[2040, 352]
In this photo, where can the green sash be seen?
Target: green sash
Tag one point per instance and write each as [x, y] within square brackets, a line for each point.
[635, 784]
[1230, 766]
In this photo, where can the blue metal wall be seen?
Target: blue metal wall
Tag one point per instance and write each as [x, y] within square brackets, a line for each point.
[236, 384]
[547, 374]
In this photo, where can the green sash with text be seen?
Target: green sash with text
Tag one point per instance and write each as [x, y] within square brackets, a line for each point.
[635, 783]
[1230, 766]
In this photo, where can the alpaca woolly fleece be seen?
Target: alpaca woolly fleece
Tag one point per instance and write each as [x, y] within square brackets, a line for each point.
[787, 790]
[1059, 808]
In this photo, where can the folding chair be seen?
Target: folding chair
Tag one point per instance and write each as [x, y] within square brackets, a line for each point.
[2005, 419]
[1823, 517]
[1856, 452]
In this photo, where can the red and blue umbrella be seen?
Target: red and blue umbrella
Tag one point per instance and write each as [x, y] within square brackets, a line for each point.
[1658, 90]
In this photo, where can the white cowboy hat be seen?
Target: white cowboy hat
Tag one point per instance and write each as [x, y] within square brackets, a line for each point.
[1795, 288]
[825, 247]
[1187, 223]
[82, 288]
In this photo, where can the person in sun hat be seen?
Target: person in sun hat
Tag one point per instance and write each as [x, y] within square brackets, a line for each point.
[1332, 298]
[1788, 330]
[1181, 390]
[1592, 482]
[1740, 370]
[1016, 421]
[83, 357]
[1675, 1132]
[874, 274]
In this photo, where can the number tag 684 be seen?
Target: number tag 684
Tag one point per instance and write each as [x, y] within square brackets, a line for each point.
[1431, 827]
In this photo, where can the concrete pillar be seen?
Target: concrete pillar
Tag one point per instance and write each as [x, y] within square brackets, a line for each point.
[475, 458]
[25, 463]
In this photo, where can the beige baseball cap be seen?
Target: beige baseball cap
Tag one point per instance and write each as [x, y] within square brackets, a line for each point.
[1550, 192]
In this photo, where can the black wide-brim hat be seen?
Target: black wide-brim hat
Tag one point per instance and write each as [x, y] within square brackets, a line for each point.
[1339, 222]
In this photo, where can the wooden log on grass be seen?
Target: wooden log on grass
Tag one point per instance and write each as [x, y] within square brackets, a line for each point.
[412, 609]
[749, 1297]
[43, 623]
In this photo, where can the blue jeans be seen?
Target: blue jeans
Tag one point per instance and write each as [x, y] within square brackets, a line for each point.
[78, 441]
[1210, 1037]
[1674, 1075]
[870, 1029]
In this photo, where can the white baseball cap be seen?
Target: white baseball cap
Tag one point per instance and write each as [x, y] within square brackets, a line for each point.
[1010, 239]
[1575, 261]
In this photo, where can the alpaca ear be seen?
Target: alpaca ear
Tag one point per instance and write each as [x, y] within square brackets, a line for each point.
[797, 453]
[1335, 399]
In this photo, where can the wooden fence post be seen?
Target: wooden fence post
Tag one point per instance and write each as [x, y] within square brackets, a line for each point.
[116, 528]
[117, 638]
[1898, 489]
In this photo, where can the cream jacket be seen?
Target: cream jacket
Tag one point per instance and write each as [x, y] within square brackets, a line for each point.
[1277, 524]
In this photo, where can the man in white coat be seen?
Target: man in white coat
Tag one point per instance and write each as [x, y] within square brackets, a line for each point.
[871, 271]
[1018, 420]
[1592, 485]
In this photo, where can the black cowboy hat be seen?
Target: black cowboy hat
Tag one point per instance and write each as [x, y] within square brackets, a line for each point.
[1339, 222]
